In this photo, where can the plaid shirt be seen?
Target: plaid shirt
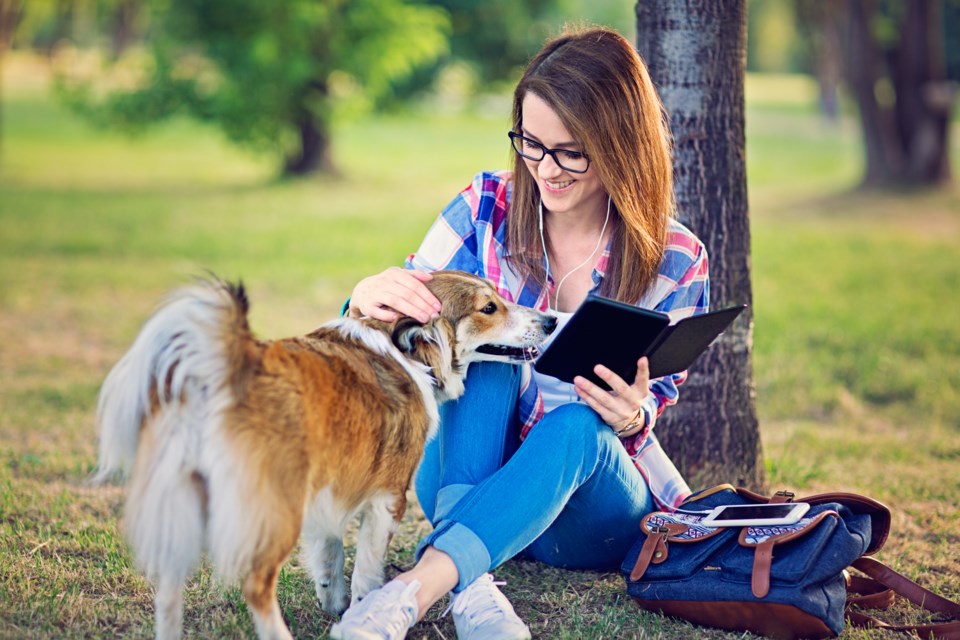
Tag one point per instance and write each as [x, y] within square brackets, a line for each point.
[469, 235]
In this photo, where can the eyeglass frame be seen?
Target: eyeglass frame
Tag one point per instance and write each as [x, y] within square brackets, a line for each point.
[514, 136]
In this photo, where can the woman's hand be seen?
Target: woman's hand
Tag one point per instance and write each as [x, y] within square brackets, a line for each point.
[622, 405]
[394, 292]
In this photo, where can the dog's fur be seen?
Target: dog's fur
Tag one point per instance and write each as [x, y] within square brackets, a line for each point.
[237, 445]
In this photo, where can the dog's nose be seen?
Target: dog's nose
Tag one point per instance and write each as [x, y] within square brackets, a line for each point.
[550, 324]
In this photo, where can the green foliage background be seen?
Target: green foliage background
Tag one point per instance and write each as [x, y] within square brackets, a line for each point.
[259, 70]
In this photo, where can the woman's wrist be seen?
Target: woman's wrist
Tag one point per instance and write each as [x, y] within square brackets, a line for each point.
[637, 423]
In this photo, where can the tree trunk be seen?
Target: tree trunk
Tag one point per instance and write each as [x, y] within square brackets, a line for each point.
[696, 51]
[903, 95]
[864, 59]
[924, 100]
[315, 153]
[820, 21]
[123, 32]
[10, 13]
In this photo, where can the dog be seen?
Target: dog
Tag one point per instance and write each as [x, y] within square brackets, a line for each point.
[240, 446]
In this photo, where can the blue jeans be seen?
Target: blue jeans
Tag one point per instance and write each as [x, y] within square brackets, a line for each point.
[568, 495]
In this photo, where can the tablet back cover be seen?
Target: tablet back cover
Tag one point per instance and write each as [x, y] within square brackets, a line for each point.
[687, 339]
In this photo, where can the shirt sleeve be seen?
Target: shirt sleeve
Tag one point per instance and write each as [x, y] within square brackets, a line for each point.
[451, 242]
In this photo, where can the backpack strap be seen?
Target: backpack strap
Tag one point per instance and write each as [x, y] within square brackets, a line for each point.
[880, 587]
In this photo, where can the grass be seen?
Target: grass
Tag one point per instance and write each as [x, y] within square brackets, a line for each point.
[856, 341]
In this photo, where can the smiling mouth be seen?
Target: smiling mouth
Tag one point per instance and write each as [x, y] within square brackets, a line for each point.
[513, 353]
[558, 186]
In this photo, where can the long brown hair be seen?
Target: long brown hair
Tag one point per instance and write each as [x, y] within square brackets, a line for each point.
[601, 90]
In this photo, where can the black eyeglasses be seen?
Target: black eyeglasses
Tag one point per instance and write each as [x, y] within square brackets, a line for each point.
[573, 161]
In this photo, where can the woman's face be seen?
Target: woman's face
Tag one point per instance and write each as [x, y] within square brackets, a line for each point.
[562, 191]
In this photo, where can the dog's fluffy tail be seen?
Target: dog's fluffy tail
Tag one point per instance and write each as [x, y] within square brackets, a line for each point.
[188, 354]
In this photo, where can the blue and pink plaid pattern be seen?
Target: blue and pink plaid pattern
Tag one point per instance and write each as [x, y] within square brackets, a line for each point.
[469, 235]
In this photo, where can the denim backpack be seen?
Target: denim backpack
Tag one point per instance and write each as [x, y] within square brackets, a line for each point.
[783, 581]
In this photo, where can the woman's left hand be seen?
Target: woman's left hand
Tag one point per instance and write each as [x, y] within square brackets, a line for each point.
[621, 405]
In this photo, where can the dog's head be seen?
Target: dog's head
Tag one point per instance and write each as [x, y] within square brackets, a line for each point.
[475, 323]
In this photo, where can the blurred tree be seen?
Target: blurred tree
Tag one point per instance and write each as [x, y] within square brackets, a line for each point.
[492, 40]
[123, 25]
[696, 51]
[819, 24]
[496, 36]
[772, 45]
[270, 74]
[894, 62]
[10, 13]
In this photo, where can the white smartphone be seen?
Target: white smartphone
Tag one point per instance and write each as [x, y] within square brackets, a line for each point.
[744, 515]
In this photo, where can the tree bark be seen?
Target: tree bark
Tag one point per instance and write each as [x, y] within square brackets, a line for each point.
[696, 52]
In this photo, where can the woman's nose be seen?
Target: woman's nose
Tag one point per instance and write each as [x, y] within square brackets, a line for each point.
[548, 167]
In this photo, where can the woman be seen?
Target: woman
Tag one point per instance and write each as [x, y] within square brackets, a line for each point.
[524, 463]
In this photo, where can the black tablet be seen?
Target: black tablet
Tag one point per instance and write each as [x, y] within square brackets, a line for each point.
[616, 335]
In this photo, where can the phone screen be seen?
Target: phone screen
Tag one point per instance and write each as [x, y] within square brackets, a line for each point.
[754, 512]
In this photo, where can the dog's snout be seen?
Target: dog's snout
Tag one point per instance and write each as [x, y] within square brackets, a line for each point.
[550, 324]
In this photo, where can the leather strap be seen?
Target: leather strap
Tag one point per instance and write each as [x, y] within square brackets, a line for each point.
[654, 550]
[907, 587]
[762, 559]
[882, 576]
[940, 631]
[870, 593]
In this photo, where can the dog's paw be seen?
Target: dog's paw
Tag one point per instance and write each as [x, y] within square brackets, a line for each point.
[333, 597]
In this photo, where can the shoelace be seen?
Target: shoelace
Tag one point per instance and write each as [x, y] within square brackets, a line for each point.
[485, 602]
[380, 618]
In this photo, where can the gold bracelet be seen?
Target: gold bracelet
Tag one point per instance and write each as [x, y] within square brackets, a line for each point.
[637, 420]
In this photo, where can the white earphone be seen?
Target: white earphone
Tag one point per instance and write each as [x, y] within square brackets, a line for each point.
[546, 258]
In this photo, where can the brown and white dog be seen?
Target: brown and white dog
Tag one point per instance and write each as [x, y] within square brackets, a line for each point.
[238, 446]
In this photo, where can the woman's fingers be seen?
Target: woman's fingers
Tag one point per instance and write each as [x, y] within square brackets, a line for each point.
[617, 384]
[613, 409]
[395, 291]
[642, 379]
[412, 296]
[597, 399]
[623, 401]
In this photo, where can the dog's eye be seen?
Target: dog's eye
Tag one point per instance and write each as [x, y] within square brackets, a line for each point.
[490, 308]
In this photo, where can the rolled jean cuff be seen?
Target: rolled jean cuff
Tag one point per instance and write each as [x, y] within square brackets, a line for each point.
[447, 499]
[463, 546]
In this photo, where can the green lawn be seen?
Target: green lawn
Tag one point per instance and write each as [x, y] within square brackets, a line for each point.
[856, 337]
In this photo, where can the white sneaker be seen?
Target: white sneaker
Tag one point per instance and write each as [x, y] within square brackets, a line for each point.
[482, 612]
[384, 614]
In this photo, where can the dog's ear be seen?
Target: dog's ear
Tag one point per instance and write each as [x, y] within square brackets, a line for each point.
[406, 333]
[432, 344]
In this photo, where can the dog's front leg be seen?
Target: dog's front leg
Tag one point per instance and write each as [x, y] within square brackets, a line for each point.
[322, 535]
[168, 608]
[324, 557]
[381, 517]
